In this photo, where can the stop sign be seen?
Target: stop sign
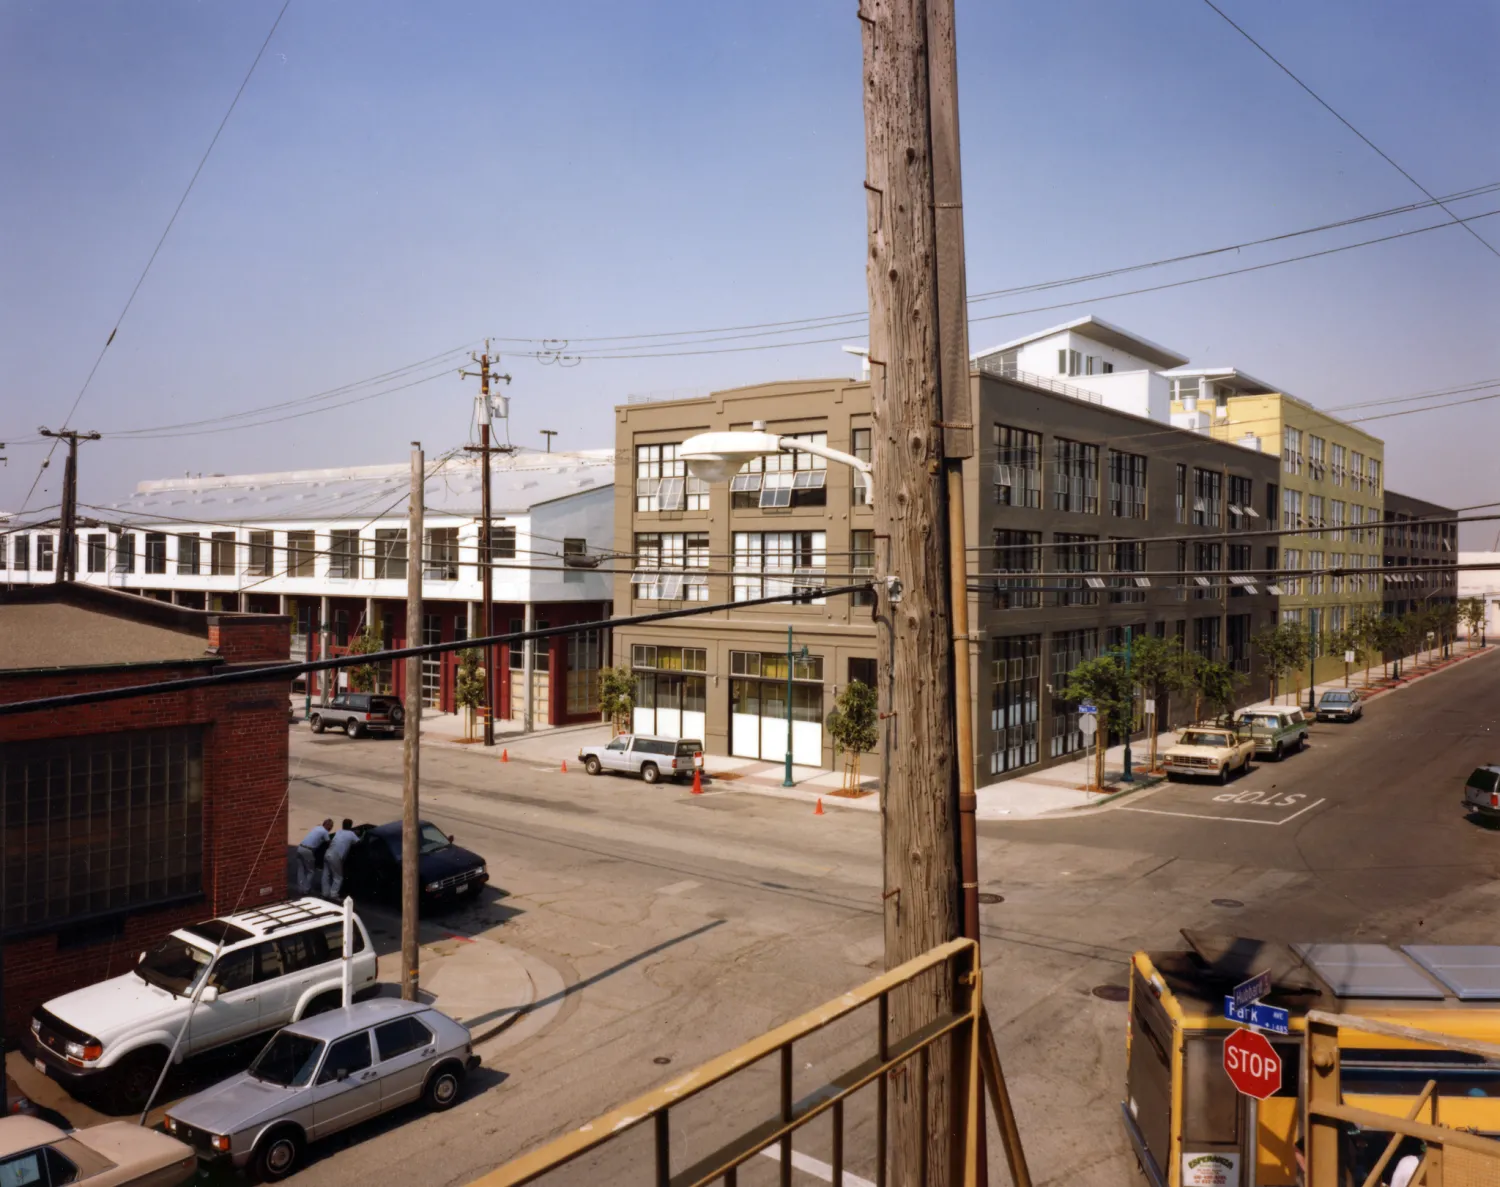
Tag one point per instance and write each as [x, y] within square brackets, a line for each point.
[1252, 1063]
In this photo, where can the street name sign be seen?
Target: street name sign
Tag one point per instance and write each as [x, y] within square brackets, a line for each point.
[1087, 707]
[1251, 1064]
[1252, 990]
[1272, 1018]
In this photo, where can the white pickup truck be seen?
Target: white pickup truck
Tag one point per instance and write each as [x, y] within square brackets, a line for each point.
[1208, 751]
[252, 972]
[651, 757]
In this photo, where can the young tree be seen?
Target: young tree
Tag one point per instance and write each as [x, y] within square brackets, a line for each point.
[1103, 681]
[468, 690]
[1471, 611]
[617, 697]
[1384, 635]
[1156, 667]
[1273, 646]
[853, 726]
[1343, 641]
[367, 642]
[1216, 682]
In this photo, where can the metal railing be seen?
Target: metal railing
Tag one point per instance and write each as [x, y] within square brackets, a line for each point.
[998, 370]
[1452, 1157]
[962, 1030]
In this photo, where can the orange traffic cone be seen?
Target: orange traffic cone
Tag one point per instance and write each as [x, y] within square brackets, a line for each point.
[697, 781]
[565, 766]
[505, 756]
[818, 811]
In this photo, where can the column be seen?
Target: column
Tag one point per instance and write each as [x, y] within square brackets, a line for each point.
[323, 640]
[528, 668]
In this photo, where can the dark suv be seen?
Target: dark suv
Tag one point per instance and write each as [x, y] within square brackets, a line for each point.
[360, 713]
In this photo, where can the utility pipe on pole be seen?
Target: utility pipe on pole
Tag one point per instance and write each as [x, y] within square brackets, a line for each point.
[412, 734]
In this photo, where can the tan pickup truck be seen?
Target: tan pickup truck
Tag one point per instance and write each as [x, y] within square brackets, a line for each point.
[1208, 752]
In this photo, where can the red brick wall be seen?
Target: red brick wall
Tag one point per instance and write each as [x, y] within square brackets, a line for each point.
[262, 639]
[244, 801]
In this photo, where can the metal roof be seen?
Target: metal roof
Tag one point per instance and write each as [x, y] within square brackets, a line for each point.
[1104, 332]
[517, 484]
[1471, 971]
[1367, 970]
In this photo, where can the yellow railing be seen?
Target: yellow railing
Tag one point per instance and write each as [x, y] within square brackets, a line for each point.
[959, 1029]
[1452, 1157]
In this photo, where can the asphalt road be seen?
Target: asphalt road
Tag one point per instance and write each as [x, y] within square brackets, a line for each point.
[684, 925]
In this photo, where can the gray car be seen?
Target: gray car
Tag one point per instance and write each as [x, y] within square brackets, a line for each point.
[322, 1075]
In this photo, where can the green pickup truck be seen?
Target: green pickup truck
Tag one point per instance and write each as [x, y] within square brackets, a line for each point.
[1277, 730]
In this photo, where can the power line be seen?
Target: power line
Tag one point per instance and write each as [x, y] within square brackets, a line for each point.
[1385, 156]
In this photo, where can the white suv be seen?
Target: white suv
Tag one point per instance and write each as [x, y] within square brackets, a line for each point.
[274, 965]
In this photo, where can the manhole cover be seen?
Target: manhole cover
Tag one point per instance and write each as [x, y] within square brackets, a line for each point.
[662, 1059]
[1228, 902]
[986, 897]
[1111, 993]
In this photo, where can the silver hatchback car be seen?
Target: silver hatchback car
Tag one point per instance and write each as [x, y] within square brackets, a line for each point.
[322, 1075]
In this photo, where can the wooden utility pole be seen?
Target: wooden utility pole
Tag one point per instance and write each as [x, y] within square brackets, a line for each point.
[67, 544]
[486, 561]
[411, 887]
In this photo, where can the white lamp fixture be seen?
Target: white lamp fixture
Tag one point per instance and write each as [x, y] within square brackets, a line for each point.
[717, 457]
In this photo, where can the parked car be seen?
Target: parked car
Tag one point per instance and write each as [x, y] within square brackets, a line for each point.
[358, 714]
[258, 970]
[445, 871]
[320, 1076]
[1482, 791]
[651, 757]
[1276, 729]
[115, 1154]
[1208, 751]
[1340, 704]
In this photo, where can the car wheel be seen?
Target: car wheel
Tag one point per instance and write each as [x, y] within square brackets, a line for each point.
[591, 765]
[1301, 742]
[352, 728]
[277, 1155]
[317, 724]
[134, 1080]
[1223, 774]
[650, 773]
[1278, 753]
[444, 1087]
[322, 1004]
[1172, 777]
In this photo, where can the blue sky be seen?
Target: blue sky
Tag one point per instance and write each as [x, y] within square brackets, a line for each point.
[403, 178]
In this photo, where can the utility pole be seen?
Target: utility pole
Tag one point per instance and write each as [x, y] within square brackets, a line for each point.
[486, 561]
[549, 434]
[412, 734]
[67, 544]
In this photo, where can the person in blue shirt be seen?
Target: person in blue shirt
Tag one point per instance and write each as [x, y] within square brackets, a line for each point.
[307, 855]
[333, 860]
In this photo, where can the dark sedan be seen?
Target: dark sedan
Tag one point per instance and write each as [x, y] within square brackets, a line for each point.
[445, 871]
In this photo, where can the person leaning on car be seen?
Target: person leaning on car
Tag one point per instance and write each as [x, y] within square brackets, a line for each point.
[307, 855]
[333, 860]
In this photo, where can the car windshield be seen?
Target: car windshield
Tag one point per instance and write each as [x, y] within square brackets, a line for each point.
[1337, 698]
[288, 1060]
[689, 747]
[1484, 780]
[174, 965]
[432, 839]
[1204, 738]
[1259, 721]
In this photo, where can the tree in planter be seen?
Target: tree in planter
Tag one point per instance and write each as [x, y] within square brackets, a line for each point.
[617, 697]
[1341, 642]
[1104, 682]
[853, 727]
[1157, 668]
[1445, 616]
[367, 642]
[1471, 612]
[1271, 645]
[1384, 635]
[1216, 682]
[468, 690]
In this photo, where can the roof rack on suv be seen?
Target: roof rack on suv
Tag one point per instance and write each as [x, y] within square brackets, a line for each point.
[283, 915]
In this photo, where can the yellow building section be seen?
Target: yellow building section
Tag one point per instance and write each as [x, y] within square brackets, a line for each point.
[1333, 479]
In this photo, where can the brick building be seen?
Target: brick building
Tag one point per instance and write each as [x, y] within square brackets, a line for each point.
[124, 819]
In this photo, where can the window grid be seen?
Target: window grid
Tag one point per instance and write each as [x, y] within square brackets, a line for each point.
[1018, 467]
[862, 447]
[1208, 498]
[1079, 554]
[1242, 496]
[664, 561]
[767, 564]
[1017, 552]
[1075, 476]
[1127, 485]
[1015, 700]
[662, 481]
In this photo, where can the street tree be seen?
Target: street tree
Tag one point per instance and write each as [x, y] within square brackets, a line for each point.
[367, 642]
[1471, 611]
[1217, 683]
[1280, 647]
[853, 725]
[1104, 682]
[1344, 641]
[1156, 666]
[468, 689]
[617, 697]
[1384, 634]
[1445, 616]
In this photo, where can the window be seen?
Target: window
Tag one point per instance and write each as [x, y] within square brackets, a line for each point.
[333, 941]
[1292, 584]
[1067, 650]
[862, 563]
[1069, 362]
[585, 658]
[45, 555]
[187, 554]
[1208, 498]
[156, 552]
[223, 554]
[1291, 510]
[1241, 501]
[125, 553]
[662, 482]
[1017, 552]
[1207, 558]
[1206, 636]
[262, 561]
[1238, 642]
[1015, 699]
[1239, 564]
[98, 552]
[661, 563]
[302, 951]
[1336, 517]
[1181, 493]
[1078, 554]
[129, 803]
[503, 541]
[345, 1057]
[651, 657]
[862, 447]
[1186, 389]
[1075, 476]
[1336, 562]
[390, 554]
[1126, 556]
[771, 563]
[1291, 451]
[301, 547]
[401, 1035]
[1337, 463]
[1373, 474]
[22, 553]
[1316, 450]
[795, 479]
[441, 561]
[863, 670]
[343, 553]
[1273, 503]
[771, 665]
[1315, 578]
[1127, 485]
[1356, 470]
[1018, 467]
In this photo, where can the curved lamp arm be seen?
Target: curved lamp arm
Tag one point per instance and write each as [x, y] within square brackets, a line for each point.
[833, 455]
